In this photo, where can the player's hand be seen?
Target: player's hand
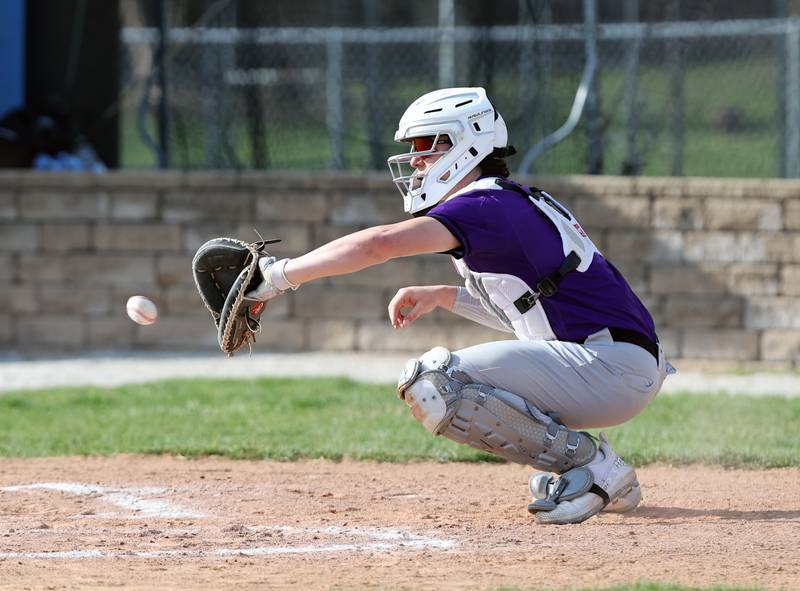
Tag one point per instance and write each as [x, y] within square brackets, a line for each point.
[409, 303]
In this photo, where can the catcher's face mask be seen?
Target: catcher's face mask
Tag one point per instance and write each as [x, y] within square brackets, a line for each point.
[474, 129]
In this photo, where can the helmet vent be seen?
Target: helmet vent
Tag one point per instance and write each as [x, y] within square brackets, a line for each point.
[476, 126]
[422, 196]
[464, 103]
[473, 151]
[433, 110]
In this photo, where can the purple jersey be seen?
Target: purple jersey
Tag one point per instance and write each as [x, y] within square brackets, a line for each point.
[501, 231]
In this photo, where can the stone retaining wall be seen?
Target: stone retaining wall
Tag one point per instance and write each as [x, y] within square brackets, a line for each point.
[716, 261]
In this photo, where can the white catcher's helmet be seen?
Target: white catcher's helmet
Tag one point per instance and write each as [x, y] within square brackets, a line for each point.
[474, 129]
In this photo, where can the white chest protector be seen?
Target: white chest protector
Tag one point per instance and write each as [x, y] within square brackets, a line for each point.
[501, 293]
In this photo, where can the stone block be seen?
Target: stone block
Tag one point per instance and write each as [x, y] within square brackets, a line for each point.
[313, 301]
[18, 299]
[613, 212]
[8, 205]
[791, 219]
[218, 179]
[724, 213]
[353, 208]
[61, 204]
[37, 267]
[66, 237]
[332, 335]
[195, 206]
[295, 237]
[110, 331]
[393, 274]
[177, 331]
[8, 267]
[435, 269]
[661, 246]
[196, 234]
[781, 345]
[684, 279]
[709, 187]
[134, 205]
[423, 335]
[772, 313]
[7, 335]
[186, 301]
[790, 280]
[677, 213]
[284, 335]
[738, 345]
[725, 247]
[46, 329]
[80, 300]
[138, 237]
[174, 269]
[19, 237]
[324, 233]
[783, 247]
[127, 270]
[136, 179]
[297, 206]
[749, 279]
[704, 311]
[670, 340]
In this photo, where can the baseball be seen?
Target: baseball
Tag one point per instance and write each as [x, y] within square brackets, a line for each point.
[141, 310]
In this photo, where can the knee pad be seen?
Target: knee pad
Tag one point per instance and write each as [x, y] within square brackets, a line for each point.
[447, 402]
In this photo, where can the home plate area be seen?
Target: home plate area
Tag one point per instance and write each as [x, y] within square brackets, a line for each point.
[168, 522]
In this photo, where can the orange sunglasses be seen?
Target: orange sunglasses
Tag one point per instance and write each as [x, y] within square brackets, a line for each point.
[425, 144]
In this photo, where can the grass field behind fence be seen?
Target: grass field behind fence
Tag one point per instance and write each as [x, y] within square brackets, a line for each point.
[287, 419]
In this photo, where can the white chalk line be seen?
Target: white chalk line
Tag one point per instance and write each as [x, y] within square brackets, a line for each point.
[393, 539]
[378, 539]
[130, 499]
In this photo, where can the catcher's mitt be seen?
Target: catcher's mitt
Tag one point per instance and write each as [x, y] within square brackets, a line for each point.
[224, 270]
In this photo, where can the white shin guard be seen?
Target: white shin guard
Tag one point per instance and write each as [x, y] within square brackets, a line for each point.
[447, 402]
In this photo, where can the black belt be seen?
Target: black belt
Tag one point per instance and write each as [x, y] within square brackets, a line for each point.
[623, 335]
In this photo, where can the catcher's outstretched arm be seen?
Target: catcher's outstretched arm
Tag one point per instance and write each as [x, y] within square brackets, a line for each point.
[369, 247]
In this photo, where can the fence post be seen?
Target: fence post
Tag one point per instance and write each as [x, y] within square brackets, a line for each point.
[792, 100]
[633, 162]
[375, 83]
[335, 98]
[593, 123]
[447, 45]
[676, 96]
[163, 84]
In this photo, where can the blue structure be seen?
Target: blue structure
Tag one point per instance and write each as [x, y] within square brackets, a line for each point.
[12, 48]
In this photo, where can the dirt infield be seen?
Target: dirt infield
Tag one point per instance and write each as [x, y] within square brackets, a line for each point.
[172, 523]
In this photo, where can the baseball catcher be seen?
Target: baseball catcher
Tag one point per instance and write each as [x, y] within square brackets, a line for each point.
[586, 354]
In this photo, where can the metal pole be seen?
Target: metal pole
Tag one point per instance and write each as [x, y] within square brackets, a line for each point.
[677, 119]
[633, 163]
[593, 123]
[335, 102]
[163, 103]
[375, 83]
[447, 45]
[793, 99]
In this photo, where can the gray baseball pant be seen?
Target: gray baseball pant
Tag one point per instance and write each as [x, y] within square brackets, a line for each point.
[599, 383]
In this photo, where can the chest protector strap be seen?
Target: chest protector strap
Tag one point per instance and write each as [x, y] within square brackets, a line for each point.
[548, 286]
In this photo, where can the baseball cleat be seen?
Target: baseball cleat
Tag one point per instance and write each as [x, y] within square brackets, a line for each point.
[613, 479]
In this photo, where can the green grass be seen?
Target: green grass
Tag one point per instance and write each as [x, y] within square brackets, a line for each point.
[335, 418]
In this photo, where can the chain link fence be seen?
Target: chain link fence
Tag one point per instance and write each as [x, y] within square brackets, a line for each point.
[681, 98]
